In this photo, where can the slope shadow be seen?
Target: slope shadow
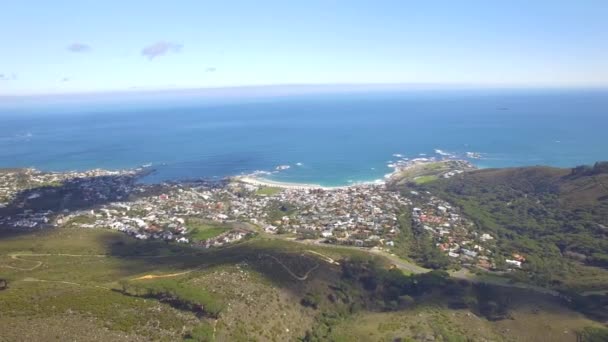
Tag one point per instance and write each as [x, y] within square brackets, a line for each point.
[286, 264]
[36, 208]
[356, 284]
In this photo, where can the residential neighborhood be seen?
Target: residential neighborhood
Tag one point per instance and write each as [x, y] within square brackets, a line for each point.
[455, 235]
[231, 210]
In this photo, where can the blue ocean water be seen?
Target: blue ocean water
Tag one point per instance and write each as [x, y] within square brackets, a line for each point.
[328, 139]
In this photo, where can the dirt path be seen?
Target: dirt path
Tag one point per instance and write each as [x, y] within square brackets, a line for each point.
[415, 269]
[291, 273]
[400, 263]
[17, 256]
[153, 276]
[324, 257]
[63, 282]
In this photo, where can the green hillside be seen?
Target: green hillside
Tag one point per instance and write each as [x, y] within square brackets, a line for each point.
[99, 285]
[557, 218]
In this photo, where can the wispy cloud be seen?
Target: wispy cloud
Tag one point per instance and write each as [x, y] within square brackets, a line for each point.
[65, 79]
[160, 48]
[211, 69]
[8, 77]
[79, 47]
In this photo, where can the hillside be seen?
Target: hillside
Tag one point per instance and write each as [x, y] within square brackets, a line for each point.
[557, 218]
[54, 283]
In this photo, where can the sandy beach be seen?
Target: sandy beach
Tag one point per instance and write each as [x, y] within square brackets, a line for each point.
[284, 185]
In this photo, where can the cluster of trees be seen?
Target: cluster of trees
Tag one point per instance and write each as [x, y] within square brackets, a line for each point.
[588, 170]
[594, 305]
[390, 290]
[417, 244]
[323, 326]
[427, 254]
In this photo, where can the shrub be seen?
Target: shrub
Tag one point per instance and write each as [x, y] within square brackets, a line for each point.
[201, 333]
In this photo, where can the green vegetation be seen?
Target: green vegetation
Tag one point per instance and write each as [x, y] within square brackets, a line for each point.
[176, 293]
[202, 333]
[79, 220]
[59, 282]
[200, 230]
[54, 184]
[277, 209]
[268, 191]
[427, 172]
[417, 246]
[593, 334]
[425, 179]
[89, 276]
[555, 217]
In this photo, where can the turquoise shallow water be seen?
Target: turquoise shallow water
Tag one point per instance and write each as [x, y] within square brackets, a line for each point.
[325, 139]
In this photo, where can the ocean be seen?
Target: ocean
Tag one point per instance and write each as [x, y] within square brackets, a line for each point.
[327, 139]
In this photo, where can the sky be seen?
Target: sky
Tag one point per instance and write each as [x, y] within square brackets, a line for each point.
[59, 46]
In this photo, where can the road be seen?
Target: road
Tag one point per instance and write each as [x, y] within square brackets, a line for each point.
[410, 267]
[401, 264]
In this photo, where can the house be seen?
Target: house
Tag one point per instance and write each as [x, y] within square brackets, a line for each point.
[518, 257]
[469, 252]
[513, 262]
[326, 233]
[485, 237]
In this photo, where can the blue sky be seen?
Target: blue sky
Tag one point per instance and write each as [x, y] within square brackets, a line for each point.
[83, 46]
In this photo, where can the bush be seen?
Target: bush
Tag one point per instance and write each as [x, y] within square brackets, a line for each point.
[201, 333]
[310, 300]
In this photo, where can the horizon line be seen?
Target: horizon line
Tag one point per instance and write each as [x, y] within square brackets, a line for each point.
[310, 87]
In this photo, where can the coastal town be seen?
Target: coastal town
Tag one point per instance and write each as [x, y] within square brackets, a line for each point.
[211, 214]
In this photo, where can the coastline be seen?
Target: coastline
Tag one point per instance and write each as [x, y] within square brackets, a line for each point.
[398, 167]
[253, 180]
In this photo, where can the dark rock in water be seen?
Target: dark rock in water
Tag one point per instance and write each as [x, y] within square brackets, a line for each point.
[3, 284]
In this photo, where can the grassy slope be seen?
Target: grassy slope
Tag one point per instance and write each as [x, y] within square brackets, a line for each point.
[200, 230]
[260, 299]
[268, 191]
[40, 296]
[527, 324]
[427, 172]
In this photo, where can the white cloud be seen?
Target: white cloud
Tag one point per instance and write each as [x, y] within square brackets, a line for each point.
[78, 47]
[160, 48]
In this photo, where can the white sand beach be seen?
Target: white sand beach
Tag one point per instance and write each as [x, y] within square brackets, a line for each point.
[284, 185]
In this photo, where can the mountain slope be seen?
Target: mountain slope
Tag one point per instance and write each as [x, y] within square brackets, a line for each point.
[544, 213]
